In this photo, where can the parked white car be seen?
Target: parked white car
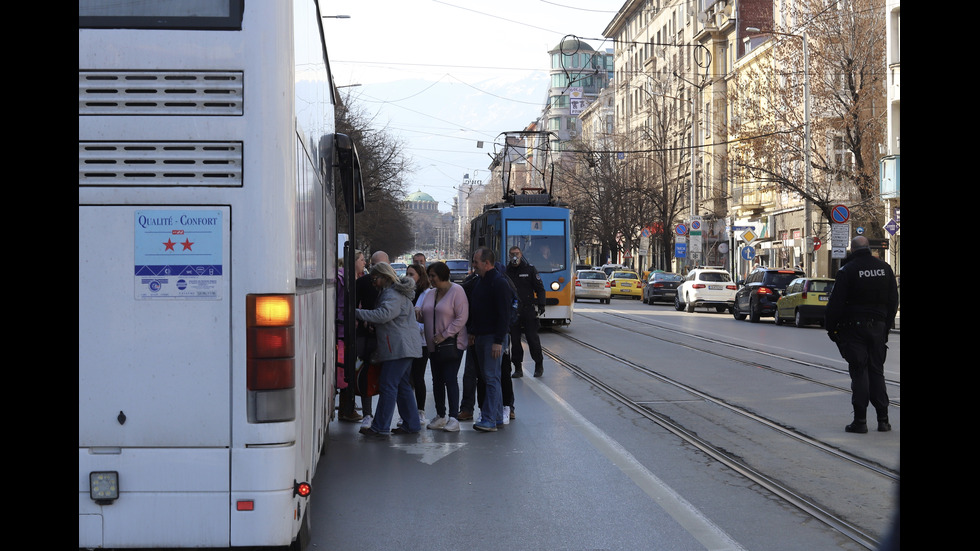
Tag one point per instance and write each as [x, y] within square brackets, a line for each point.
[706, 287]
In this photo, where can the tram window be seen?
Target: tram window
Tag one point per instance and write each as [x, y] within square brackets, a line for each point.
[546, 253]
[542, 242]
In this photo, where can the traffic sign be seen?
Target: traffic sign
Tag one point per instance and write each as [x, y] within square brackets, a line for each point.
[840, 234]
[749, 236]
[840, 214]
[748, 253]
[891, 227]
[681, 229]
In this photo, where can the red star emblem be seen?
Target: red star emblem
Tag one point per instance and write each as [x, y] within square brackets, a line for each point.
[187, 244]
[169, 245]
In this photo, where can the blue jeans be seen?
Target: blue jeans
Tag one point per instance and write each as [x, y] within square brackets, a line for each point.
[488, 367]
[445, 380]
[395, 389]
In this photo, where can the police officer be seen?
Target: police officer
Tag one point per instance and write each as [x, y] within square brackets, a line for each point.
[860, 312]
[531, 290]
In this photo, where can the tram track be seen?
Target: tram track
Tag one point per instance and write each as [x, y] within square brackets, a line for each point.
[782, 490]
[739, 347]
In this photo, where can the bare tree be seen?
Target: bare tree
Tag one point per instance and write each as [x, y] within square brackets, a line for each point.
[604, 185]
[846, 42]
[668, 171]
[383, 225]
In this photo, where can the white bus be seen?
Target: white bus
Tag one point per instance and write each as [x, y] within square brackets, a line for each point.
[208, 172]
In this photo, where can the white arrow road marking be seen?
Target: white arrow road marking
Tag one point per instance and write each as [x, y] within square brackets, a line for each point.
[430, 451]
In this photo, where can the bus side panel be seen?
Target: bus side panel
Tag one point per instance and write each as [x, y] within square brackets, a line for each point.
[184, 491]
[153, 384]
[274, 516]
[152, 371]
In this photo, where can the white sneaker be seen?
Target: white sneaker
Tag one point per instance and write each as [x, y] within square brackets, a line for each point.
[506, 415]
[422, 419]
[366, 422]
[437, 423]
[452, 425]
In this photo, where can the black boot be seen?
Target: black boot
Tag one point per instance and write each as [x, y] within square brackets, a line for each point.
[538, 369]
[518, 372]
[858, 425]
[884, 425]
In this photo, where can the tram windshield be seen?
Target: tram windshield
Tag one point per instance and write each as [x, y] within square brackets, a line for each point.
[542, 243]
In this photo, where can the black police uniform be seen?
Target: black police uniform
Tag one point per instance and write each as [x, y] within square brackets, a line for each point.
[860, 312]
[531, 290]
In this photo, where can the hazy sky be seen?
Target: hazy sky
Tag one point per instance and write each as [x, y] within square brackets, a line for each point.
[442, 75]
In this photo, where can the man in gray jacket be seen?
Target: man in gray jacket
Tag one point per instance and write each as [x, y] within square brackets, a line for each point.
[399, 341]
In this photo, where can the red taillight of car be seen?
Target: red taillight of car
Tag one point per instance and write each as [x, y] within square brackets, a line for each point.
[698, 286]
[658, 285]
[612, 283]
[763, 291]
[578, 283]
[731, 287]
[804, 295]
[608, 285]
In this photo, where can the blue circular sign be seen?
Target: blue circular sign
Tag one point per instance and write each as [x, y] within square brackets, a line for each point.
[840, 214]
[681, 229]
[748, 253]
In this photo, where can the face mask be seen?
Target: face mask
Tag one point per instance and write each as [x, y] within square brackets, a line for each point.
[515, 260]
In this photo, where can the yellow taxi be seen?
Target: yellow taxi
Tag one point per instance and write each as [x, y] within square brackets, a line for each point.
[623, 283]
[804, 301]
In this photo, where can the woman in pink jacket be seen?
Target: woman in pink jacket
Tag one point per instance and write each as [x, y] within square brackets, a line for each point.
[443, 312]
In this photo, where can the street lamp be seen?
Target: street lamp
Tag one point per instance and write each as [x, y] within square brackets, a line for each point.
[807, 240]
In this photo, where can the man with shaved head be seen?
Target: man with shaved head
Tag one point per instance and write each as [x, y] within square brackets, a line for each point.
[860, 313]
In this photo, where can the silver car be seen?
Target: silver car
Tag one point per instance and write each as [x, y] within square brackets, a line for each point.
[592, 284]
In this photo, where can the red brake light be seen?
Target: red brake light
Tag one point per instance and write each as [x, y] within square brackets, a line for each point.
[764, 291]
[578, 283]
[658, 284]
[270, 342]
[698, 286]
[607, 285]
[732, 287]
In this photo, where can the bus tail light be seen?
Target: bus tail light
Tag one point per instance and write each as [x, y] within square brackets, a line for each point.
[270, 358]
[302, 489]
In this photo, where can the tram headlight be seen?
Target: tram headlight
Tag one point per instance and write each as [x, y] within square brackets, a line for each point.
[555, 285]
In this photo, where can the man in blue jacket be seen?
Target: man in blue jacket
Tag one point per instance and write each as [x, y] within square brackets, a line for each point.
[488, 327]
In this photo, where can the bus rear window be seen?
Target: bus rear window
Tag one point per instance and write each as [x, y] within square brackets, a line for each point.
[160, 14]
